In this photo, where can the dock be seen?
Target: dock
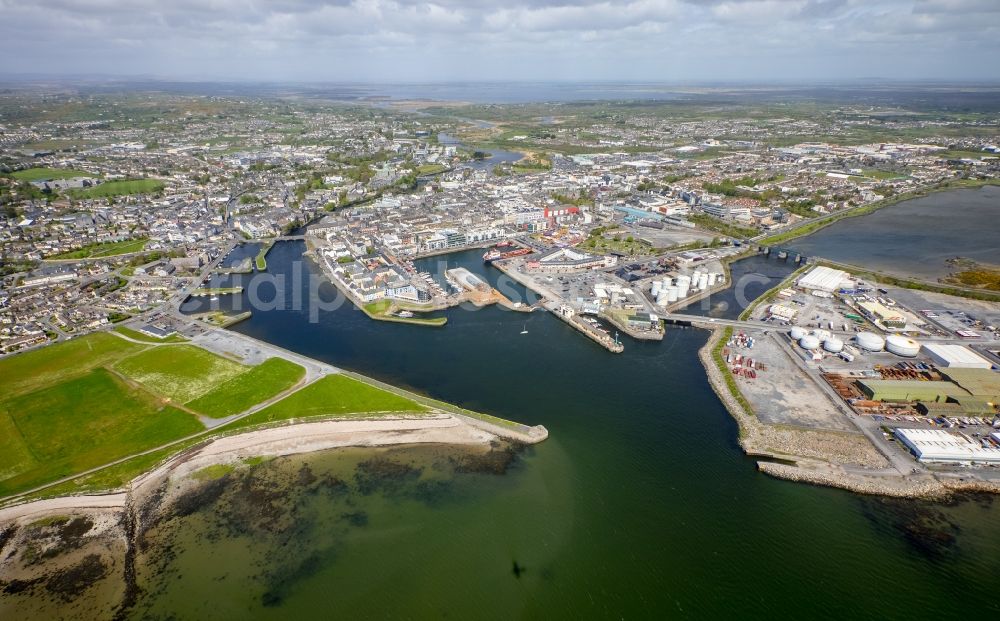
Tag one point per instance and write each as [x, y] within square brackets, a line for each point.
[552, 305]
[479, 292]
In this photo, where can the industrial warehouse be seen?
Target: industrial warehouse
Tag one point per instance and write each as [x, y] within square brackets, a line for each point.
[915, 379]
[935, 445]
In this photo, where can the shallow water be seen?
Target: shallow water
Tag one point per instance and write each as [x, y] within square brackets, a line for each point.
[640, 504]
[915, 237]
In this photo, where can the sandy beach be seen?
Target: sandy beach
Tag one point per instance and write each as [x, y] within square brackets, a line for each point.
[76, 556]
[278, 441]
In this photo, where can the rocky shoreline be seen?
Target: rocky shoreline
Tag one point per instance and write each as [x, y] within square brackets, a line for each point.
[819, 458]
[75, 556]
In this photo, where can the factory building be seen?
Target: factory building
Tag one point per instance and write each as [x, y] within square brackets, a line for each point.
[822, 278]
[981, 383]
[569, 260]
[937, 445]
[909, 390]
[880, 313]
[785, 313]
[955, 356]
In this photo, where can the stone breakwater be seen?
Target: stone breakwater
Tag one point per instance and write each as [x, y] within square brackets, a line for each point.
[832, 459]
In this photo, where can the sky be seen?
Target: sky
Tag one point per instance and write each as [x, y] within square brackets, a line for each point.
[453, 40]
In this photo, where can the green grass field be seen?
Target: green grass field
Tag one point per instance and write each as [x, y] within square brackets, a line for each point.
[107, 249]
[83, 403]
[79, 424]
[381, 310]
[430, 169]
[333, 395]
[251, 387]
[65, 408]
[261, 259]
[179, 372]
[43, 367]
[46, 174]
[960, 154]
[120, 188]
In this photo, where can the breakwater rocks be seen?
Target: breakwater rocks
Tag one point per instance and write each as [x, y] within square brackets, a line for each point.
[845, 461]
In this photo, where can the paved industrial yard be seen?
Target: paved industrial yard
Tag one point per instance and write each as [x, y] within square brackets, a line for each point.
[782, 394]
[668, 236]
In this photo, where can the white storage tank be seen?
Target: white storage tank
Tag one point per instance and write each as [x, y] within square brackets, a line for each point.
[656, 288]
[809, 342]
[671, 293]
[703, 282]
[797, 333]
[833, 345]
[822, 335]
[711, 279]
[661, 300]
[902, 345]
[870, 341]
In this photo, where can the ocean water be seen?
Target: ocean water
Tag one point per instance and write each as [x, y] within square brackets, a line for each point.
[640, 505]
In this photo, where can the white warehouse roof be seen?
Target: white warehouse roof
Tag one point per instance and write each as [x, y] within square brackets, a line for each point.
[823, 278]
[955, 356]
[941, 446]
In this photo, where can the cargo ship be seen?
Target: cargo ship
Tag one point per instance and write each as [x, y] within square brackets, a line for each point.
[498, 255]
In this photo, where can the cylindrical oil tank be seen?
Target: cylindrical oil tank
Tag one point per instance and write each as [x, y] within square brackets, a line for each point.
[833, 345]
[682, 291]
[902, 345]
[822, 335]
[797, 333]
[870, 341]
[809, 342]
[711, 279]
[671, 293]
[656, 288]
[662, 299]
[683, 280]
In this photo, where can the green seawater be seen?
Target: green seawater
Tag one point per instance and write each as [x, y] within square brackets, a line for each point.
[640, 505]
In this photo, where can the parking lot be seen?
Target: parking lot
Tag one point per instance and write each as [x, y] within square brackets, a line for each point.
[951, 314]
[667, 236]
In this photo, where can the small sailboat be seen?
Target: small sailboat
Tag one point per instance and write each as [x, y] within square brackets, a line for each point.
[524, 330]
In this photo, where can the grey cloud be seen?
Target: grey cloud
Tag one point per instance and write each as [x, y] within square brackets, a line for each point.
[468, 39]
